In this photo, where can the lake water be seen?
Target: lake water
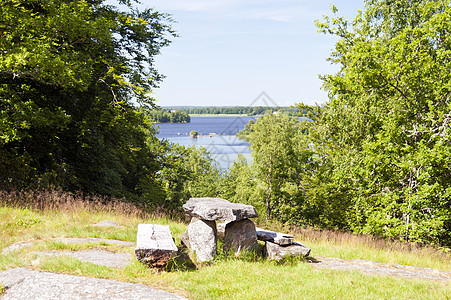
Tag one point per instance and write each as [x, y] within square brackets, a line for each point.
[216, 134]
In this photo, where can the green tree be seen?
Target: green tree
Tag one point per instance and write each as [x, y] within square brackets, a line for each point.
[239, 184]
[383, 139]
[70, 72]
[186, 172]
[281, 158]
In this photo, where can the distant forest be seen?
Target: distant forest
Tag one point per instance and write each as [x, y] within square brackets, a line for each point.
[233, 110]
[181, 114]
[168, 116]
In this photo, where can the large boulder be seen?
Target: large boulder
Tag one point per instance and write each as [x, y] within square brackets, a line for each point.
[154, 245]
[239, 236]
[202, 239]
[217, 209]
[276, 252]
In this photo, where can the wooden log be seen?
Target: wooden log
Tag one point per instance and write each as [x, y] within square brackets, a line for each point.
[274, 237]
[154, 245]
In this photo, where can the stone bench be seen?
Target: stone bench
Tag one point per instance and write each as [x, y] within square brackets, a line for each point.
[154, 245]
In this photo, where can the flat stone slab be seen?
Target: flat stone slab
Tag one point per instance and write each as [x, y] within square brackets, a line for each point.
[154, 245]
[217, 209]
[21, 245]
[98, 257]
[378, 268]
[277, 252]
[21, 283]
[274, 237]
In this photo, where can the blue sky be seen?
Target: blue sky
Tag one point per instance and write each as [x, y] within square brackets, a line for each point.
[230, 51]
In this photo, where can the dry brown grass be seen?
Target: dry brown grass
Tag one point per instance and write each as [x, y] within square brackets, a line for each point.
[59, 200]
[346, 238]
[346, 245]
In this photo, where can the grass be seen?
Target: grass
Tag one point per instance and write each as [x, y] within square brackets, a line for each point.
[226, 277]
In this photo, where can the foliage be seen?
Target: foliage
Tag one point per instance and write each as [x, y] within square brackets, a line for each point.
[69, 73]
[274, 181]
[168, 116]
[185, 172]
[383, 140]
[239, 185]
[246, 131]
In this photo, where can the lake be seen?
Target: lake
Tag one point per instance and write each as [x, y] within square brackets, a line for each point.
[216, 134]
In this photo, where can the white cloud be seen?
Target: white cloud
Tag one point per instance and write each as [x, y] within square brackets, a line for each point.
[191, 5]
[281, 10]
[284, 14]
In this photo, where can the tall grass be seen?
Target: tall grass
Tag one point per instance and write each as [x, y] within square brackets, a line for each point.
[345, 245]
[57, 199]
[80, 208]
[47, 214]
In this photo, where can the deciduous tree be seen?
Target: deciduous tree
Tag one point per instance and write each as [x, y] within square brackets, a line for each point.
[70, 74]
[385, 133]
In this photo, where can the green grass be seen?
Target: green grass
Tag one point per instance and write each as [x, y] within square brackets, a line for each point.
[226, 277]
[265, 280]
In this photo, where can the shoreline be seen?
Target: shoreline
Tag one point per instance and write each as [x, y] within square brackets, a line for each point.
[222, 115]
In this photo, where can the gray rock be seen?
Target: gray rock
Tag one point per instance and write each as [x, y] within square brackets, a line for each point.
[154, 245]
[276, 252]
[220, 226]
[106, 223]
[98, 257]
[21, 283]
[21, 245]
[202, 239]
[94, 240]
[240, 235]
[216, 209]
[274, 237]
[16, 247]
[184, 238]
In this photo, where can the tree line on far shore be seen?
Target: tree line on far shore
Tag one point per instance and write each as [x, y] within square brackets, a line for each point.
[237, 110]
[167, 115]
